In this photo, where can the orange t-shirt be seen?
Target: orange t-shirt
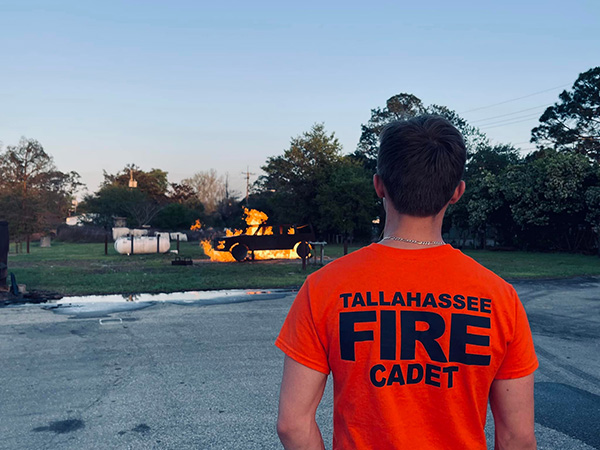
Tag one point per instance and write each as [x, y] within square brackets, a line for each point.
[414, 339]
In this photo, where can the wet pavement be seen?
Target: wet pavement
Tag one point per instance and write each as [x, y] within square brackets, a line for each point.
[105, 305]
[199, 370]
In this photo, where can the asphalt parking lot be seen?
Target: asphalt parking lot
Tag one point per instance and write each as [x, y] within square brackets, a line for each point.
[195, 375]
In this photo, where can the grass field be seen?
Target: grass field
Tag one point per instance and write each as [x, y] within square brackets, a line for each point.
[520, 265]
[79, 269]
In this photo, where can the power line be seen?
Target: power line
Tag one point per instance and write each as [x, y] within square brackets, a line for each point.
[510, 114]
[510, 119]
[515, 99]
[506, 124]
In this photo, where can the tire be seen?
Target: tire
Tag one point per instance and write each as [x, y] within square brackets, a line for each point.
[303, 249]
[239, 252]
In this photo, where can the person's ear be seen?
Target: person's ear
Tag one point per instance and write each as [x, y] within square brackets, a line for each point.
[458, 192]
[379, 187]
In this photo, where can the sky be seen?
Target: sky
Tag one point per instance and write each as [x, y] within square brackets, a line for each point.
[188, 86]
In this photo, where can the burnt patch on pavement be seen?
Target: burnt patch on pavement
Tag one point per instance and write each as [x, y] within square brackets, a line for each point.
[141, 428]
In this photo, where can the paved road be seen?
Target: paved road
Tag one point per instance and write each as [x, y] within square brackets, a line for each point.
[187, 376]
[565, 320]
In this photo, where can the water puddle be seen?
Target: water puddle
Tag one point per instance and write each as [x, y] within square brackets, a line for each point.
[103, 305]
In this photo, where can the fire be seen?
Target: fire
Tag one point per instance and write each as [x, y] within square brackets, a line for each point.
[254, 219]
[215, 255]
[196, 226]
[275, 254]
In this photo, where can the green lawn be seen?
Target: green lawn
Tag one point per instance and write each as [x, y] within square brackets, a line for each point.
[520, 265]
[78, 269]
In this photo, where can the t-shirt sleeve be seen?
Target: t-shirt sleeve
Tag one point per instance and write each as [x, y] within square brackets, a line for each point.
[520, 359]
[299, 338]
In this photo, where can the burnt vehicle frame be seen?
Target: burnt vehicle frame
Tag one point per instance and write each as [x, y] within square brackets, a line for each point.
[243, 246]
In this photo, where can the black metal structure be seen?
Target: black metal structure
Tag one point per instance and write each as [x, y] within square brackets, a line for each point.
[243, 246]
[182, 262]
[4, 243]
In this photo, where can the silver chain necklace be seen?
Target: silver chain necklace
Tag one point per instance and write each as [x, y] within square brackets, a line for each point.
[412, 241]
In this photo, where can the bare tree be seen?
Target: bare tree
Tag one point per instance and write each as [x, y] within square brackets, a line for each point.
[209, 188]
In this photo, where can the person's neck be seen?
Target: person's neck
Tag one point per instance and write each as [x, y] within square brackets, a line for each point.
[427, 231]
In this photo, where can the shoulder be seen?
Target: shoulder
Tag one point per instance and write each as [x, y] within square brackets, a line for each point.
[480, 274]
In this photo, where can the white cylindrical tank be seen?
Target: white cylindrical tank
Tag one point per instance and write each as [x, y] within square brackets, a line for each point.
[119, 232]
[143, 245]
[182, 237]
[162, 234]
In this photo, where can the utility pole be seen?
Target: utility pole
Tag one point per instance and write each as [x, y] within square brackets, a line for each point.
[247, 173]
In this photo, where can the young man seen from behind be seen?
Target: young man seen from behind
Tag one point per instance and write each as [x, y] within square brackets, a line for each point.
[417, 335]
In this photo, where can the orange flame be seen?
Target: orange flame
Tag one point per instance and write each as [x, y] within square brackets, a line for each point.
[215, 255]
[196, 226]
[275, 254]
[254, 219]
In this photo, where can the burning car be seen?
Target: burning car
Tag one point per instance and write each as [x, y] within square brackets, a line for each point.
[290, 238]
[260, 241]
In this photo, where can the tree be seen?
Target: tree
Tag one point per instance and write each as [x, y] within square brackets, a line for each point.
[154, 183]
[139, 201]
[182, 193]
[230, 213]
[209, 187]
[312, 182]
[34, 195]
[117, 201]
[573, 123]
[483, 207]
[183, 209]
[547, 197]
[178, 216]
[293, 179]
[345, 202]
[592, 200]
[402, 107]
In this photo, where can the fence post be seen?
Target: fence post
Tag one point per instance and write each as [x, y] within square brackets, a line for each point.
[304, 255]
